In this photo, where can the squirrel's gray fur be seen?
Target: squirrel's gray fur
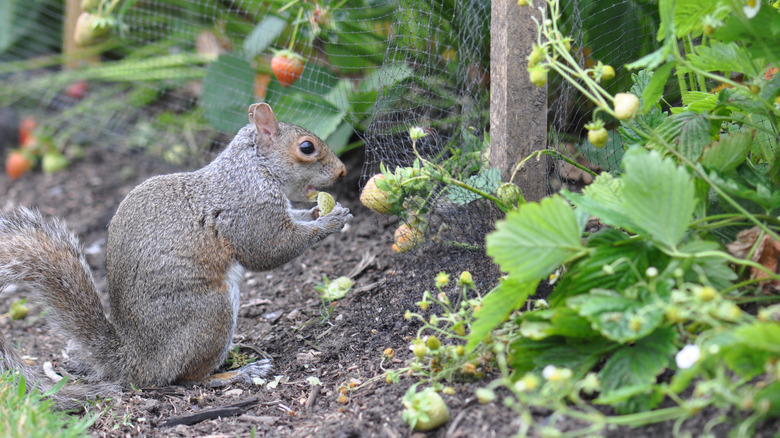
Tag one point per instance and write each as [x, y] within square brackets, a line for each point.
[176, 249]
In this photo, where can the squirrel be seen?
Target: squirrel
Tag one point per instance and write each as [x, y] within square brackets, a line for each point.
[176, 251]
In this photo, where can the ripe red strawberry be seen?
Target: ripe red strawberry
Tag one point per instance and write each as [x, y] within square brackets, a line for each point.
[26, 126]
[16, 164]
[287, 67]
[77, 90]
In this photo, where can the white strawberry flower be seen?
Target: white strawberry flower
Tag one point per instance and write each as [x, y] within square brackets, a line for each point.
[687, 357]
[751, 7]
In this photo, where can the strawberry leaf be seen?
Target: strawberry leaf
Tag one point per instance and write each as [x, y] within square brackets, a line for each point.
[655, 88]
[727, 154]
[535, 239]
[617, 317]
[632, 370]
[658, 196]
[603, 199]
[263, 35]
[228, 90]
[496, 307]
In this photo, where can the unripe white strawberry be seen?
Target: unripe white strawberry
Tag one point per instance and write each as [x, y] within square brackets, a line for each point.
[375, 198]
[598, 137]
[406, 238]
[425, 410]
[510, 194]
[607, 73]
[626, 106]
[538, 75]
[325, 202]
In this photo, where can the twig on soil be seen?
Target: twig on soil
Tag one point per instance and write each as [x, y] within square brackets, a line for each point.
[367, 288]
[315, 392]
[456, 422]
[209, 414]
[267, 419]
[364, 262]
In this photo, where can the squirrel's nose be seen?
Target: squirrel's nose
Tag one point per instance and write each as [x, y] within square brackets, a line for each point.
[342, 171]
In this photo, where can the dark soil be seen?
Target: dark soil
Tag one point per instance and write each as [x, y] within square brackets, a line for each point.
[281, 317]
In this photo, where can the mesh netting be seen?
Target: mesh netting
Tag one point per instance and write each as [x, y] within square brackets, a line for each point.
[614, 33]
[177, 77]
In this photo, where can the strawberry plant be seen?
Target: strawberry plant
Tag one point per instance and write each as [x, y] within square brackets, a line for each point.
[665, 271]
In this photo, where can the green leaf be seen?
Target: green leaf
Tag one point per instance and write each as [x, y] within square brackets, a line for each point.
[311, 112]
[263, 35]
[603, 198]
[755, 33]
[715, 269]
[689, 14]
[228, 90]
[763, 336]
[658, 196]
[633, 369]
[486, 180]
[699, 101]
[694, 136]
[535, 239]
[727, 154]
[578, 355]
[609, 245]
[616, 317]
[652, 60]
[667, 29]
[629, 131]
[376, 81]
[561, 321]
[639, 81]
[339, 139]
[496, 307]
[20, 23]
[769, 394]
[655, 88]
[738, 353]
[748, 184]
[523, 351]
[720, 56]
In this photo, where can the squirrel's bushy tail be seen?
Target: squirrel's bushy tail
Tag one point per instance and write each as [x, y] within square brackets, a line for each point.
[45, 257]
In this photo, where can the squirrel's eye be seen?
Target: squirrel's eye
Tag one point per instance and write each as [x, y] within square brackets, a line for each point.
[306, 147]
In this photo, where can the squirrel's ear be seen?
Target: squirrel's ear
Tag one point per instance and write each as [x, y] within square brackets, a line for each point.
[265, 122]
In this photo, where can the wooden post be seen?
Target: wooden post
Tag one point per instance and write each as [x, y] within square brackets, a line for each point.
[518, 108]
[69, 46]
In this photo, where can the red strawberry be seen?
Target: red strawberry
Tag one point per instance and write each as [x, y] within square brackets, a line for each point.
[77, 90]
[287, 67]
[26, 126]
[16, 164]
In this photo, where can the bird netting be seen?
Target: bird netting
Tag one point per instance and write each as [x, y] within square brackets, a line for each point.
[175, 77]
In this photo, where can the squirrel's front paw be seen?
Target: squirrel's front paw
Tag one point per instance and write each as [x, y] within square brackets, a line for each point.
[335, 220]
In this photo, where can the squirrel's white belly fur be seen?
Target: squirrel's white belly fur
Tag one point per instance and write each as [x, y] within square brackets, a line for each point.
[234, 277]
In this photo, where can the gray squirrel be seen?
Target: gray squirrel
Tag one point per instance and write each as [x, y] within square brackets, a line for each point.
[177, 248]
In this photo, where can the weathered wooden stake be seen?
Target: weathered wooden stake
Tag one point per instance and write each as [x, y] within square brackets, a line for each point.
[69, 47]
[518, 108]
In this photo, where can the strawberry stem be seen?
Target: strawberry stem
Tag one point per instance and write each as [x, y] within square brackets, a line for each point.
[291, 47]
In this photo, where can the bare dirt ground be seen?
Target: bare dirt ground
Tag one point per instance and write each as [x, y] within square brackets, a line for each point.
[281, 317]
